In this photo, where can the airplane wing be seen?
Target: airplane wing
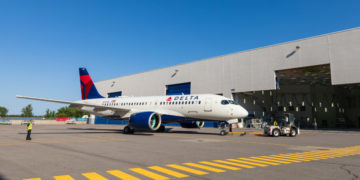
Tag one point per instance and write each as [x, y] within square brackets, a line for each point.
[78, 104]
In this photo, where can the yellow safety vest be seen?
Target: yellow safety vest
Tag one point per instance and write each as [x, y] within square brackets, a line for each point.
[29, 126]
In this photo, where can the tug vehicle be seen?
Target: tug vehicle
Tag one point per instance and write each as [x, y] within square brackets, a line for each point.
[283, 125]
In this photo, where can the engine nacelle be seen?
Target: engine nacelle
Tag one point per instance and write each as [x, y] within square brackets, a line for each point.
[192, 124]
[145, 120]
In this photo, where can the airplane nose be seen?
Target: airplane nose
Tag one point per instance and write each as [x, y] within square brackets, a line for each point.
[245, 112]
[242, 112]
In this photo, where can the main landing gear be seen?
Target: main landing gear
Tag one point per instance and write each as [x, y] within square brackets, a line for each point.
[128, 130]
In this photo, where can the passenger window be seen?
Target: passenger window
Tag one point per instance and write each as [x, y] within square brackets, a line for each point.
[199, 102]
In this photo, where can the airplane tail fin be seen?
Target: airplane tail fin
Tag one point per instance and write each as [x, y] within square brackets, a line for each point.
[88, 89]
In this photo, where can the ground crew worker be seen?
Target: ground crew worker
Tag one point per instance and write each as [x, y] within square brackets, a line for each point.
[275, 123]
[29, 128]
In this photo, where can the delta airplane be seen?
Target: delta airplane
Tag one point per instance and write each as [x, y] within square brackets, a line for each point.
[153, 112]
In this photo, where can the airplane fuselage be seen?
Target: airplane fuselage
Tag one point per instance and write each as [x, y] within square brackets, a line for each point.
[202, 106]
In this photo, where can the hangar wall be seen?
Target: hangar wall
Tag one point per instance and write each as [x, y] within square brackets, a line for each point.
[251, 70]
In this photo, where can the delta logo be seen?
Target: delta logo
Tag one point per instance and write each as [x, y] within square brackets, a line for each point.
[183, 98]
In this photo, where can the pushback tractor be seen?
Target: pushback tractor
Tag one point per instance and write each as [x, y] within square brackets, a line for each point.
[283, 125]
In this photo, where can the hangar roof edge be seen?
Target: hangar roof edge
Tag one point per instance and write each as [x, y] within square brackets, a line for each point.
[248, 50]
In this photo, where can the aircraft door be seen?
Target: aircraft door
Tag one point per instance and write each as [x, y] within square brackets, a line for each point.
[208, 105]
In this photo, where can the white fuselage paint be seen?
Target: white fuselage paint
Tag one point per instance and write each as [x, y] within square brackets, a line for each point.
[202, 106]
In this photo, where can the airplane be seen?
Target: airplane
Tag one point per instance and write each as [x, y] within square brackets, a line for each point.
[153, 112]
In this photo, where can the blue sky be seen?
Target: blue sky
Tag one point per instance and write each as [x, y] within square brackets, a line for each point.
[43, 43]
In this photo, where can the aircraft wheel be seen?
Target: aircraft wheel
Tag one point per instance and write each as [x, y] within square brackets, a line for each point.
[128, 130]
[223, 133]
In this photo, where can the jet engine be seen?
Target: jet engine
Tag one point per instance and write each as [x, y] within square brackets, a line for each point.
[145, 120]
[192, 124]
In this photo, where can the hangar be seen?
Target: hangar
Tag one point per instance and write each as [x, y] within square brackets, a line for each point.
[316, 78]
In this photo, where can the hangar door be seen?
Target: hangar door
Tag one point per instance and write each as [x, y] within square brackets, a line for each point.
[178, 89]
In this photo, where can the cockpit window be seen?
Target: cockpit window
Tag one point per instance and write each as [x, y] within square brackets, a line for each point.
[224, 102]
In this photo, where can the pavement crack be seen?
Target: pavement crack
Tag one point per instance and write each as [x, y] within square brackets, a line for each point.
[355, 176]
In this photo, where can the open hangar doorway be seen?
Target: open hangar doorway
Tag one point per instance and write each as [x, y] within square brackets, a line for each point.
[308, 94]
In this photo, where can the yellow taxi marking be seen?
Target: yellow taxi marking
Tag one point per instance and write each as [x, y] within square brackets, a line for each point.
[122, 175]
[300, 159]
[94, 176]
[186, 169]
[168, 171]
[234, 164]
[63, 177]
[271, 160]
[263, 162]
[293, 158]
[219, 165]
[246, 162]
[314, 156]
[278, 159]
[204, 167]
[149, 174]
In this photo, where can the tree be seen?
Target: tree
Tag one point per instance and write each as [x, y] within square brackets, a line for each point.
[3, 111]
[27, 111]
[50, 114]
[70, 112]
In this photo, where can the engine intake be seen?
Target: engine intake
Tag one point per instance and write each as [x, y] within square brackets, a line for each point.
[192, 124]
[145, 120]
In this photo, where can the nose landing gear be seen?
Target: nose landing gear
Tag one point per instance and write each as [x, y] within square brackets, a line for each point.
[223, 126]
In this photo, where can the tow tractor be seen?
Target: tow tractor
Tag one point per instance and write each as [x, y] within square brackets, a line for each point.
[284, 124]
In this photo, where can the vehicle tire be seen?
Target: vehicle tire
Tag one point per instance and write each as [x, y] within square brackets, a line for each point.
[161, 129]
[276, 133]
[293, 132]
[127, 130]
[223, 133]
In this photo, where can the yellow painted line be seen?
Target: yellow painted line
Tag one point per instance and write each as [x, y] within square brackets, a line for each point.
[149, 174]
[246, 162]
[186, 169]
[219, 165]
[63, 177]
[263, 162]
[271, 160]
[204, 167]
[94, 176]
[168, 171]
[234, 164]
[33, 179]
[314, 156]
[279, 159]
[295, 158]
[122, 175]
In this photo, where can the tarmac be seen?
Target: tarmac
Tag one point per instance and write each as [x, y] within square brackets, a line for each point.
[100, 152]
